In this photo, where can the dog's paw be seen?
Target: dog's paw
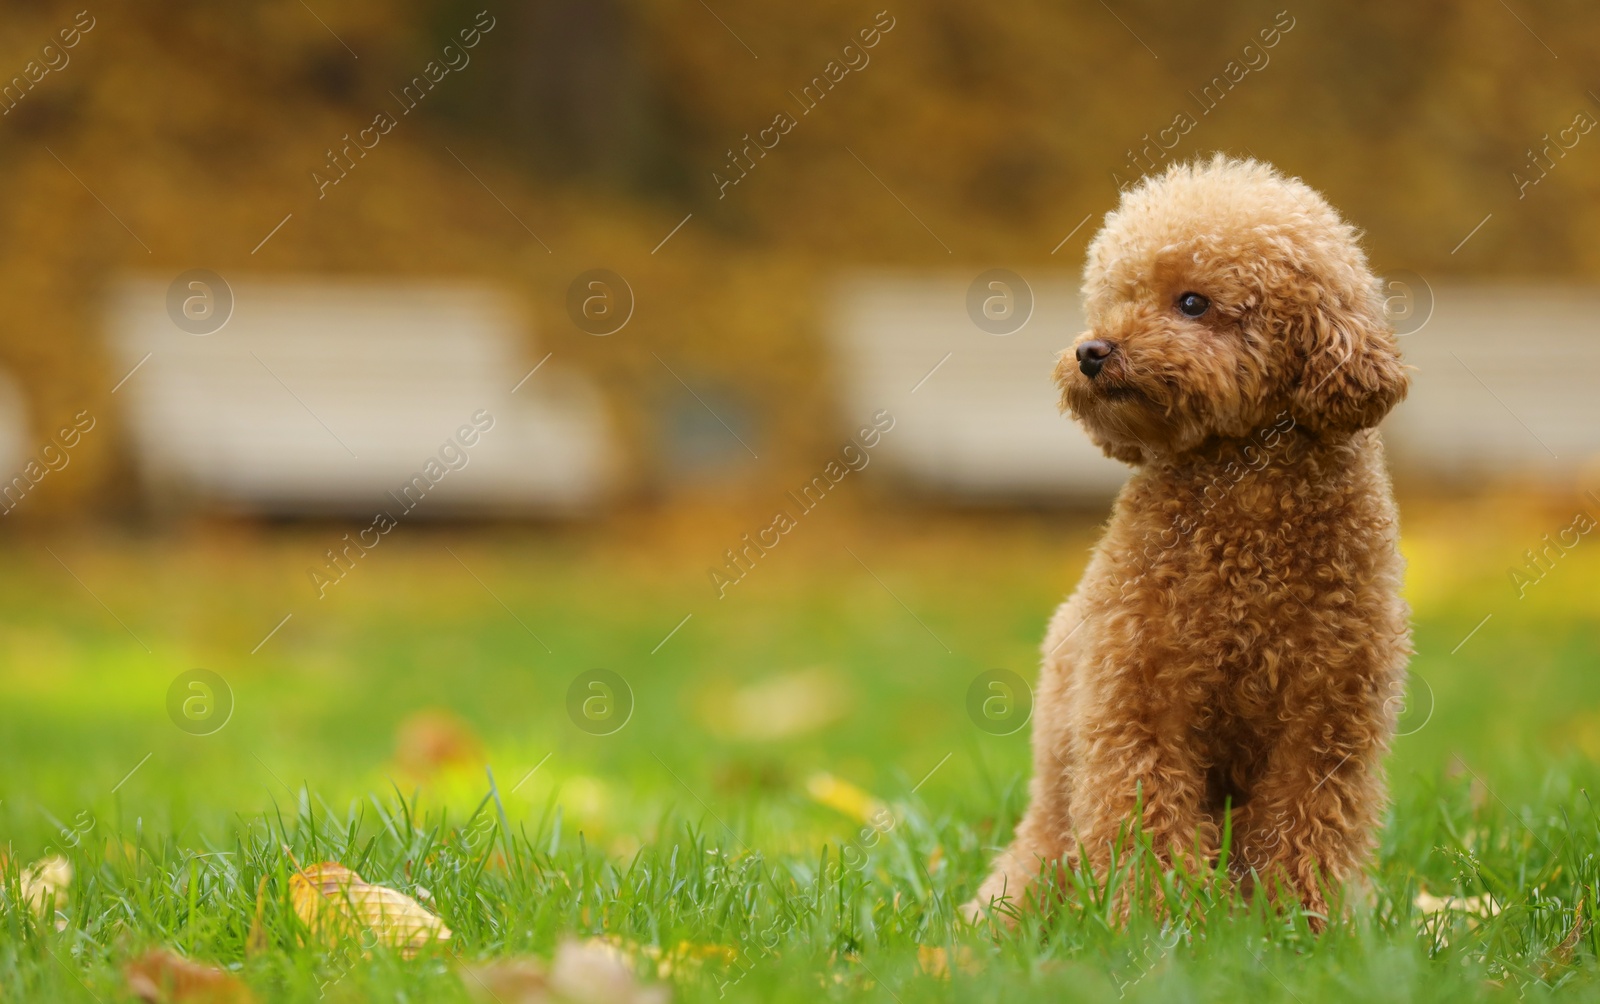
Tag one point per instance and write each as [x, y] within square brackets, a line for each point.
[997, 915]
[974, 913]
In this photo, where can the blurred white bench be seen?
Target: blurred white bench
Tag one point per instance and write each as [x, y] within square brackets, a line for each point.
[985, 424]
[325, 396]
[15, 435]
[1507, 385]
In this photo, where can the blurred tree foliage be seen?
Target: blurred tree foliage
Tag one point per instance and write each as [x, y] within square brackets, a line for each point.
[178, 133]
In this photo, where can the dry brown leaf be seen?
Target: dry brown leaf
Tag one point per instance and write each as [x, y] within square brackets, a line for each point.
[1562, 953]
[588, 972]
[435, 739]
[44, 884]
[1561, 956]
[164, 977]
[337, 904]
[256, 942]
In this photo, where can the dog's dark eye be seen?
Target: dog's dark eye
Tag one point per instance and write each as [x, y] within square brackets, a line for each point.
[1193, 304]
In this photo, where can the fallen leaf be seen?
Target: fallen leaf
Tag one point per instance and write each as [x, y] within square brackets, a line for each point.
[256, 942]
[594, 972]
[164, 977]
[121, 852]
[44, 884]
[1477, 906]
[935, 960]
[842, 796]
[432, 740]
[588, 972]
[686, 955]
[691, 955]
[337, 904]
[1473, 907]
[508, 981]
[776, 707]
[1562, 955]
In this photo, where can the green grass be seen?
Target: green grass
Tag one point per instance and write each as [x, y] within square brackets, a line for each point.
[692, 831]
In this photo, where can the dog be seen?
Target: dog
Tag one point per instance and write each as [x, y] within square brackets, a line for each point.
[1235, 654]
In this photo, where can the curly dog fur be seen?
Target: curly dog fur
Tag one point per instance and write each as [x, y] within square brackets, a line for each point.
[1238, 642]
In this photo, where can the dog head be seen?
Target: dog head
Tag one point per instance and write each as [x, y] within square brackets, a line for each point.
[1219, 296]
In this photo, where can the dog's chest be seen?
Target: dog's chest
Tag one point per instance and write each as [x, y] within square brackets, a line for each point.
[1187, 556]
[1219, 586]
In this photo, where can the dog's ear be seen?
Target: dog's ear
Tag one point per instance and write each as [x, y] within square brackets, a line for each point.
[1352, 374]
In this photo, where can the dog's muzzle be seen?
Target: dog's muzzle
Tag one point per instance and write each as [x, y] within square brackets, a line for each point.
[1092, 356]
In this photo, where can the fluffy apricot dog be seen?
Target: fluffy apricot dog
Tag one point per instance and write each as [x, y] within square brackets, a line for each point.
[1238, 643]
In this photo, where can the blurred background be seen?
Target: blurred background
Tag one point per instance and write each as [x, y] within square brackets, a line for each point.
[401, 363]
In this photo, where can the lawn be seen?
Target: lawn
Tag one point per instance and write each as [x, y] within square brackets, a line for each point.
[795, 800]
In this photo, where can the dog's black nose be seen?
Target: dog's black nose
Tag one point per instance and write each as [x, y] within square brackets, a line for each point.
[1092, 355]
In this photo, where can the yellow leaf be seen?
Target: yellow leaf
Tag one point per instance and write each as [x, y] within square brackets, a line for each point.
[44, 884]
[690, 956]
[842, 796]
[935, 961]
[1476, 906]
[163, 976]
[121, 852]
[686, 955]
[777, 707]
[337, 904]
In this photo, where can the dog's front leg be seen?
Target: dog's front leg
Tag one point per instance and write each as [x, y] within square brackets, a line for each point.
[1137, 768]
[1162, 787]
[1309, 824]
